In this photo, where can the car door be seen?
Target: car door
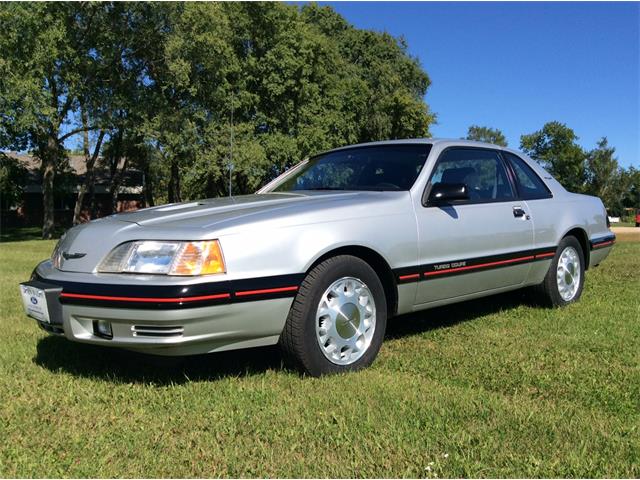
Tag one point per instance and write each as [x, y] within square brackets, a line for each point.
[541, 207]
[480, 244]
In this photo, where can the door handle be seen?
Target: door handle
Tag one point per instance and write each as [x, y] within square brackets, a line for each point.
[519, 212]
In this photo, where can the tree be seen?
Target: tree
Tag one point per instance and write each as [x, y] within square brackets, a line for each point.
[382, 86]
[100, 103]
[188, 70]
[486, 134]
[605, 178]
[13, 176]
[286, 82]
[50, 64]
[555, 147]
[631, 183]
[165, 86]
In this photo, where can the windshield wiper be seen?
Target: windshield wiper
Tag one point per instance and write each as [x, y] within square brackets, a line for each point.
[323, 188]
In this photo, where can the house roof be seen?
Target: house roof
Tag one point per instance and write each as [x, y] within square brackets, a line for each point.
[132, 180]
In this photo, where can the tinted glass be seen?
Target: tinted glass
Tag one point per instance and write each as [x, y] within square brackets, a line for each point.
[388, 167]
[481, 170]
[529, 184]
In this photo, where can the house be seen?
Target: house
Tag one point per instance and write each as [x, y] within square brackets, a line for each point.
[97, 202]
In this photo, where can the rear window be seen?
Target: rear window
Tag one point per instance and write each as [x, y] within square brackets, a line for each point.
[530, 186]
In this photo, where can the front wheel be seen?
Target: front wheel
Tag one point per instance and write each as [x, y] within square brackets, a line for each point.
[338, 319]
[565, 279]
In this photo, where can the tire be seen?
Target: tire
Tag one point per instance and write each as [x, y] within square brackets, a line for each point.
[329, 331]
[556, 290]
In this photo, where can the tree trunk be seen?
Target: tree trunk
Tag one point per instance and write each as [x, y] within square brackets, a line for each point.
[147, 186]
[49, 157]
[116, 180]
[174, 183]
[93, 208]
[88, 180]
[85, 148]
[114, 161]
[90, 161]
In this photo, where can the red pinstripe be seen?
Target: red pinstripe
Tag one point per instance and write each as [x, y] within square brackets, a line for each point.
[217, 296]
[409, 277]
[603, 244]
[266, 290]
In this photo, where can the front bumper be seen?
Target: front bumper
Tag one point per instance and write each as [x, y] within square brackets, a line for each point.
[208, 317]
[180, 332]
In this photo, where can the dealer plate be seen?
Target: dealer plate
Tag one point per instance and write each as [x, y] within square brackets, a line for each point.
[35, 303]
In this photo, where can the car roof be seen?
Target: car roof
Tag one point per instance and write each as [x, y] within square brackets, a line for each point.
[430, 141]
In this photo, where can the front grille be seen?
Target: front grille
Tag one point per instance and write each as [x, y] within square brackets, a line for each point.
[153, 331]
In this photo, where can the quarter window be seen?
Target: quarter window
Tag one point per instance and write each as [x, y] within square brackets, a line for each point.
[481, 170]
[529, 184]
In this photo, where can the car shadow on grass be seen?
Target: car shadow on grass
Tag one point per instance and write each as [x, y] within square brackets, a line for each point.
[121, 366]
[449, 315]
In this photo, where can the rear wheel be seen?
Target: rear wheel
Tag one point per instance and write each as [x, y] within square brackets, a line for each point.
[565, 279]
[338, 319]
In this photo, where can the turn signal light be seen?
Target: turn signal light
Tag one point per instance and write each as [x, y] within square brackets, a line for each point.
[199, 258]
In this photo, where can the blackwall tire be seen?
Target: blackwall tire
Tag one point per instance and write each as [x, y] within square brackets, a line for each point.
[564, 281]
[338, 318]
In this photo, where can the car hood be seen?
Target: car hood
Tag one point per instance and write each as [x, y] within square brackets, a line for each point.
[210, 213]
[91, 242]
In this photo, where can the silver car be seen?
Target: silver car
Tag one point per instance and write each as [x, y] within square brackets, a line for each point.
[322, 256]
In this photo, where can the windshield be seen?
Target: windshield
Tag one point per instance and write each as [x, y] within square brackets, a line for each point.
[379, 168]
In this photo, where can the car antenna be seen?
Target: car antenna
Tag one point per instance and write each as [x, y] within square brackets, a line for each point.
[231, 146]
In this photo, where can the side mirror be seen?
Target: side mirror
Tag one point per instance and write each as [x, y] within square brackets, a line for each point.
[442, 193]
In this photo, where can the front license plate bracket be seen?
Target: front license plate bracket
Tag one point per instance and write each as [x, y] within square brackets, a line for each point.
[52, 295]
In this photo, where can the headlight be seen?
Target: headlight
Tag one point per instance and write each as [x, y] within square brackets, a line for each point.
[56, 256]
[165, 258]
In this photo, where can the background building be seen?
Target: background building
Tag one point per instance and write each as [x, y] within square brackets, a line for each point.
[99, 200]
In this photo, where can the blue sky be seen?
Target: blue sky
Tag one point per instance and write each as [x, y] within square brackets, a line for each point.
[515, 66]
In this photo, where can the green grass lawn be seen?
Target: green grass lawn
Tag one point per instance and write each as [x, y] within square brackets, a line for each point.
[489, 388]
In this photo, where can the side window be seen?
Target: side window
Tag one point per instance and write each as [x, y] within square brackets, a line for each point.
[481, 170]
[529, 184]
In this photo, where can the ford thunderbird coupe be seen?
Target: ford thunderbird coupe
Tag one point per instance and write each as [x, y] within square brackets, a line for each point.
[318, 259]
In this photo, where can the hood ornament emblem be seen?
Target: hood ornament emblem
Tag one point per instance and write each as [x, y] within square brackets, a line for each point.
[71, 256]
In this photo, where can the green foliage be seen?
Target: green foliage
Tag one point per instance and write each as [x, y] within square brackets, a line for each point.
[594, 172]
[65, 68]
[33, 52]
[56, 56]
[13, 177]
[170, 85]
[162, 81]
[631, 180]
[296, 86]
[605, 178]
[555, 147]
[486, 134]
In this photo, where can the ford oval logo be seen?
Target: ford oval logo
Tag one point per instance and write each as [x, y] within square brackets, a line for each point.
[34, 300]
